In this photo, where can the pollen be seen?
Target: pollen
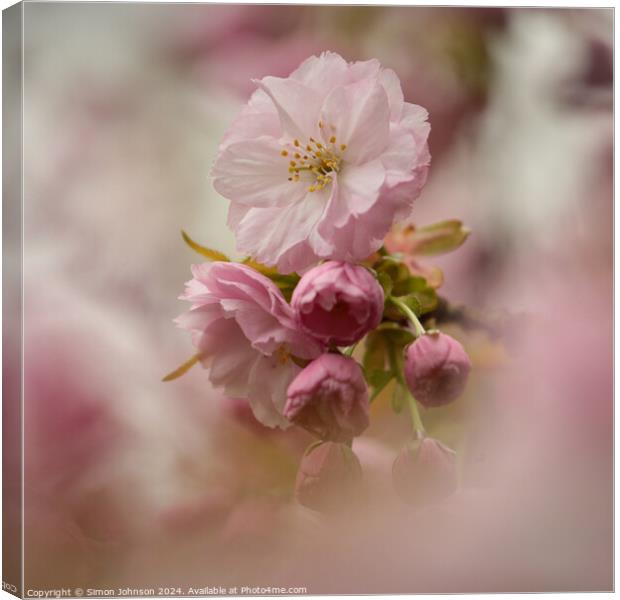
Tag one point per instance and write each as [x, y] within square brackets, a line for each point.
[317, 167]
[282, 354]
[343, 147]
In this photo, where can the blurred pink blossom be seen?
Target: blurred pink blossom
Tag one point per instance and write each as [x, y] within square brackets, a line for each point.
[425, 471]
[329, 477]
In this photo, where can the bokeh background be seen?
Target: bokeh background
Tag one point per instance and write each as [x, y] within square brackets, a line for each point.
[133, 482]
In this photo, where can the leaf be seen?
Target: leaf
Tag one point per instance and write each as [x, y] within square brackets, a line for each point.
[374, 356]
[438, 238]
[421, 302]
[398, 399]
[378, 380]
[184, 368]
[214, 255]
[385, 281]
[383, 358]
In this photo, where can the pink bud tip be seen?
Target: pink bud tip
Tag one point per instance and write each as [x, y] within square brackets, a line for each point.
[436, 369]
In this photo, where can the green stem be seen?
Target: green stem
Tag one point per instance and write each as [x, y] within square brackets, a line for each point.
[419, 329]
[348, 351]
[416, 419]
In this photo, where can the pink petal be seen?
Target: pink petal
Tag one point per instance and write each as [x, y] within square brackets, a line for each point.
[322, 73]
[265, 233]
[360, 185]
[254, 173]
[399, 156]
[297, 105]
[392, 87]
[360, 114]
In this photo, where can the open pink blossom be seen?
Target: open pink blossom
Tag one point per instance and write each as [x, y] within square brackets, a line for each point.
[246, 335]
[329, 398]
[320, 164]
[338, 303]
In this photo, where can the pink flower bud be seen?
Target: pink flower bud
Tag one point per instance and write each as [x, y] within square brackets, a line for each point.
[329, 476]
[329, 398]
[436, 369]
[424, 472]
[338, 303]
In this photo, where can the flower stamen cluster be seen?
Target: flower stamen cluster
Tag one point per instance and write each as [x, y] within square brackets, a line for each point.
[320, 160]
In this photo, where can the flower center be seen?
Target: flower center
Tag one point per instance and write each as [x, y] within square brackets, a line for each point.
[317, 159]
[282, 354]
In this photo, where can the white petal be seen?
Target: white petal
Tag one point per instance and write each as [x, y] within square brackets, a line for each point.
[267, 233]
[361, 115]
[322, 73]
[360, 186]
[391, 83]
[254, 173]
[400, 157]
[268, 382]
[297, 105]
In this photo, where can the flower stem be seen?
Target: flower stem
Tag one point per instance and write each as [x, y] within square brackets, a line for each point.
[419, 329]
[348, 351]
[416, 419]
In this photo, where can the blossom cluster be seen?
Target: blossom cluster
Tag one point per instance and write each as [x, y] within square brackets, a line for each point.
[320, 168]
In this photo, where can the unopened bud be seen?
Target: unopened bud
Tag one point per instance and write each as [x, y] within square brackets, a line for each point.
[329, 475]
[436, 369]
[425, 472]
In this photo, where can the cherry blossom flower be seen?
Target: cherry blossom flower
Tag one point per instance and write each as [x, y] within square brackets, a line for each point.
[320, 164]
[246, 335]
[329, 398]
[338, 302]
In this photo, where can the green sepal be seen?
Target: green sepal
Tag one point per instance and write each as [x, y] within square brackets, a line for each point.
[438, 238]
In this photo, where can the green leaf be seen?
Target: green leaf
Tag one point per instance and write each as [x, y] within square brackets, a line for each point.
[383, 357]
[379, 378]
[385, 281]
[438, 238]
[214, 255]
[421, 302]
[375, 354]
[398, 399]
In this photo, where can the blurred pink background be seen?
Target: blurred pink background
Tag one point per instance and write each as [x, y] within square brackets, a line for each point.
[130, 481]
